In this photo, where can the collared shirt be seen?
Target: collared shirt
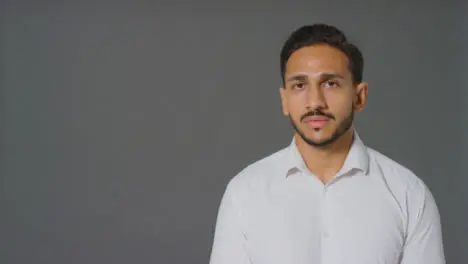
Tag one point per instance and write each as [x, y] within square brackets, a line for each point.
[375, 211]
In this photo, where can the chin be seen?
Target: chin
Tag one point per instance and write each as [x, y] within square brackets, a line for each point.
[323, 133]
[320, 143]
[323, 137]
[318, 140]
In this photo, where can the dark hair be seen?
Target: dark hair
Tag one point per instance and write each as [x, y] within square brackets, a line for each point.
[323, 34]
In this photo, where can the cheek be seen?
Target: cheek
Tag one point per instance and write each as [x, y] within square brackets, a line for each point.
[296, 106]
[339, 104]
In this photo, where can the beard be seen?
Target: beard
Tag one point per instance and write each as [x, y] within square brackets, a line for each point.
[344, 126]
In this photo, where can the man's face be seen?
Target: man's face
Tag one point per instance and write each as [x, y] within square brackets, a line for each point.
[319, 95]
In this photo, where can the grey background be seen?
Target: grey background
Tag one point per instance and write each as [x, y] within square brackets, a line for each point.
[122, 123]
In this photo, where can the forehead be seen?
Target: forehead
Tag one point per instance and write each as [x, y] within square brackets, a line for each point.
[316, 59]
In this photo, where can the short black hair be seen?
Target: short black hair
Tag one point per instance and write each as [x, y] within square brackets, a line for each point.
[314, 34]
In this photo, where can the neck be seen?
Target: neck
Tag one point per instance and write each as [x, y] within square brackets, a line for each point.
[325, 162]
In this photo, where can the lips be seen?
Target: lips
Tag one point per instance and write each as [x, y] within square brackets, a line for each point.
[316, 121]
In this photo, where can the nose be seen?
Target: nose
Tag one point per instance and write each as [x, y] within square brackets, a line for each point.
[316, 98]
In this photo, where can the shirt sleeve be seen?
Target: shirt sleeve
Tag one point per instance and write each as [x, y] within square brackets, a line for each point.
[424, 238]
[229, 243]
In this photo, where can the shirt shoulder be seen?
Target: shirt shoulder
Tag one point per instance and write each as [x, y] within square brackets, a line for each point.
[257, 176]
[417, 203]
[402, 181]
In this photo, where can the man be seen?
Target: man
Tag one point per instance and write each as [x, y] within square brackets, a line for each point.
[326, 198]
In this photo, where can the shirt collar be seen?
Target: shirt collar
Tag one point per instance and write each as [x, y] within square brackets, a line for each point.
[357, 158]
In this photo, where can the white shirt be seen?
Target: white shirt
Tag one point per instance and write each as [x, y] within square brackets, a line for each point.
[375, 211]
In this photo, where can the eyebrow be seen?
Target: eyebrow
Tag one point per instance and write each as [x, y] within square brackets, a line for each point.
[323, 76]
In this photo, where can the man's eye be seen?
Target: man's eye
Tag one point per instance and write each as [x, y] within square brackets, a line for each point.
[298, 85]
[331, 84]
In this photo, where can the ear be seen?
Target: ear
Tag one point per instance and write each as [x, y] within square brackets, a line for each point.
[360, 96]
[284, 102]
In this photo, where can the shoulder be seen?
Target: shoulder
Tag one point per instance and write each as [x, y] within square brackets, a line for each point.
[257, 175]
[402, 181]
[415, 200]
[394, 171]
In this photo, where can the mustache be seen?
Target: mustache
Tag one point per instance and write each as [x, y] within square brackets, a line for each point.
[317, 112]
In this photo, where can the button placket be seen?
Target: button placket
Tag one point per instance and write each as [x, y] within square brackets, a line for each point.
[325, 231]
[325, 235]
